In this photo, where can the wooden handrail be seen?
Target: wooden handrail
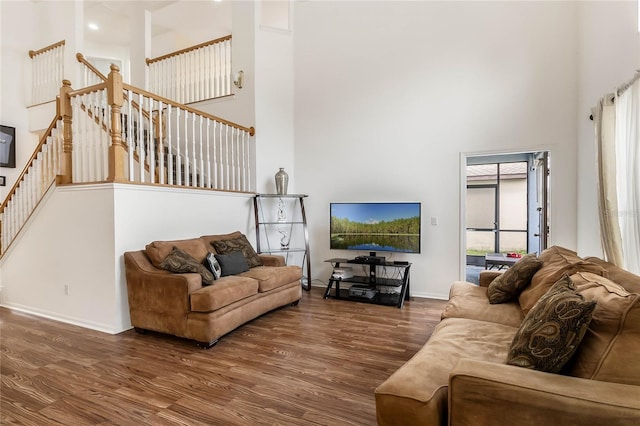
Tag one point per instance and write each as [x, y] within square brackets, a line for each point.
[88, 89]
[188, 49]
[33, 53]
[251, 130]
[82, 60]
[36, 151]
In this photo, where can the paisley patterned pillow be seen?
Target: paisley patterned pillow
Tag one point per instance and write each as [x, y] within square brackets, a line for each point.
[240, 244]
[507, 286]
[181, 262]
[552, 330]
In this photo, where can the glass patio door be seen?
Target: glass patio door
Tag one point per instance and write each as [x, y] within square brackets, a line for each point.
[496, 209]
[482, 222]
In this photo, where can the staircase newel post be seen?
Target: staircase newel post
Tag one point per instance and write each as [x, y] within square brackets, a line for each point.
[66, 112]
[117, 151]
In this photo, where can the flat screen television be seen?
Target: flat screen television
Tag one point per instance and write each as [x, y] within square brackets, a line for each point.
[393, 226]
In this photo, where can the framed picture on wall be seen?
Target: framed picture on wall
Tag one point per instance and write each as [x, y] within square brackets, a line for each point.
[7, 146]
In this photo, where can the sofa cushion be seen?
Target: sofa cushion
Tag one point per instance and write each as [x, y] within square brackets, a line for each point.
[610, 348]
[556, 262]
[419, 390]
[628, 280]
[507, 286]
[232, 263]
[240, 244]
[551, 332]
[157, 251]
[180, 262]
[226, 291]
[270, 277]
[470, 301]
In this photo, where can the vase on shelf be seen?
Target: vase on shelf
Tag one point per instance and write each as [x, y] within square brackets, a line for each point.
[282, 180]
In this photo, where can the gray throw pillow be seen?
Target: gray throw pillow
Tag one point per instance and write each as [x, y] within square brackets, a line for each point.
[508, 286]
[232, 264]
[181, 262]
[552, 330]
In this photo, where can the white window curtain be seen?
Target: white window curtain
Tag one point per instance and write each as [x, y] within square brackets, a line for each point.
[604, 119]
[627, 137]
[617, 128]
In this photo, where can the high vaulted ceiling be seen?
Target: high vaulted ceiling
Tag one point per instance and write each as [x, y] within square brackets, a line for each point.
[113, 17]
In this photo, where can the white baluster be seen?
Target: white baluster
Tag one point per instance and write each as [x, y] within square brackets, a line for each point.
[128, 128]
[178, 180]
[201, 184]
[170, 165]
[216, 156]
[186, 148]
[161, 150]
[152, 145]
[140, 139]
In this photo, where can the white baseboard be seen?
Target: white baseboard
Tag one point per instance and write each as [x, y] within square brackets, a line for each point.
[104, 328]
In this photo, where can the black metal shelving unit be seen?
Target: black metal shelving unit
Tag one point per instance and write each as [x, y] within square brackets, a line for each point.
[295, 225]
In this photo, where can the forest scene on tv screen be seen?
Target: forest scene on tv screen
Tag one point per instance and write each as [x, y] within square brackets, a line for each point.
[376, 226]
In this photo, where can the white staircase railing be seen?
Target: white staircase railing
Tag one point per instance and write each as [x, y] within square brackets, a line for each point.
[35, 180]
[194, 74]
[165, 142]
[90, 74]
[47, 72]
[114, 132]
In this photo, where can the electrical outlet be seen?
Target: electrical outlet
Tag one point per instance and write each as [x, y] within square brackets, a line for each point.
[66, 289]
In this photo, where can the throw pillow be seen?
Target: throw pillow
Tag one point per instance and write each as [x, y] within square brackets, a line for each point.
[212, 264]
[181, 262]
[232, 263]
[507, 286]
[609, 350]
[240, 244]
[552, 330]
[556, 262]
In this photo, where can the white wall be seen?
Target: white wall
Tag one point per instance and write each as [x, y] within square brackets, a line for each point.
[68, 241]
[187, 23]
[609, 55]
[274, 103]
[16, 39]
[388, 95]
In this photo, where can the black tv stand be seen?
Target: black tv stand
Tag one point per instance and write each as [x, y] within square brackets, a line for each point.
[372, 281]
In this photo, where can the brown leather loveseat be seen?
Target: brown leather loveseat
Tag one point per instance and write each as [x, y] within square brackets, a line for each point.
[183, 305]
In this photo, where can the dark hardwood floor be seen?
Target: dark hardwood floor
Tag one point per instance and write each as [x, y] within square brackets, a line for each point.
[317, 363]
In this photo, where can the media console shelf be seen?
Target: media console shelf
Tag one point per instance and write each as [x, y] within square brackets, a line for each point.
[374, 281]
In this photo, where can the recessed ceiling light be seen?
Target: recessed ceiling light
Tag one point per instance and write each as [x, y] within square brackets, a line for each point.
[93, 26]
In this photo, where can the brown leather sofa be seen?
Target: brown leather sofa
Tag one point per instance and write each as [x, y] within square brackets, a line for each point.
[179, 304]
[460, 376]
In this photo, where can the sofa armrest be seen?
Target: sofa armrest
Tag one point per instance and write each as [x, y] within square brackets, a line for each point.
[483, 392]
[486, 277]
[150, 289]
[272, 260]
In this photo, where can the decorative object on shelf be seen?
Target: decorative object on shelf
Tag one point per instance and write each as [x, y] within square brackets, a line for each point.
[284, 241]
[281, 214]
[238, 79]
[282, 180]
